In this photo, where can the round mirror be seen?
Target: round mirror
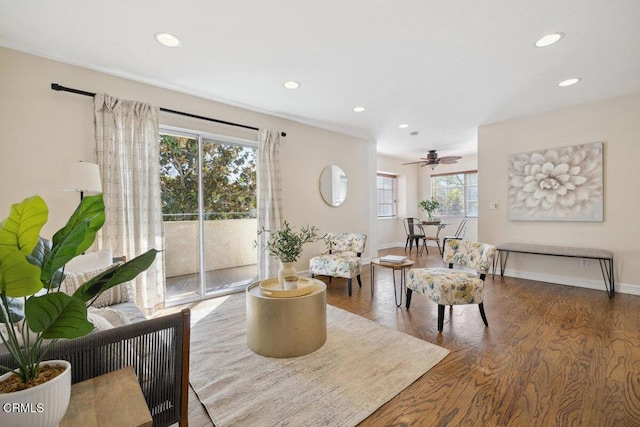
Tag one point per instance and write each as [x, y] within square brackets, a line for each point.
[333, 185]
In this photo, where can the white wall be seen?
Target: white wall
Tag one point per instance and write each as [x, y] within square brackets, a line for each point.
[42, 129]
[390, 230]
[616, 122]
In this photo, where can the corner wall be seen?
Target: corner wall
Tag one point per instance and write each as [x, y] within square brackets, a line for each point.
[616, 122]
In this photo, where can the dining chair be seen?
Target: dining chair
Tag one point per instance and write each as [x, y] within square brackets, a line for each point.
[435, 238]
[462, 228]
[415, 232]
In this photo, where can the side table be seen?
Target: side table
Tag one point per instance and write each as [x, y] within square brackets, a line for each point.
[286, 327]
[402, 266]
[113, 399]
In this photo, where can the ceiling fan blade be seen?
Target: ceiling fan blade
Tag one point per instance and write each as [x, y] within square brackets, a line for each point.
[413, 163]
[448, 160]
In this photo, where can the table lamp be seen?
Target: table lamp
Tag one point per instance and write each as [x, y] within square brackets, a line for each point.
[82, 177]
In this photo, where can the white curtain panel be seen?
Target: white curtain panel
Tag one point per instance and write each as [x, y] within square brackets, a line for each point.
[127, 136]
[269, 198]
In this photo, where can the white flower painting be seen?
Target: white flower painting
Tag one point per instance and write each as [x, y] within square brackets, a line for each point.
[560, 184]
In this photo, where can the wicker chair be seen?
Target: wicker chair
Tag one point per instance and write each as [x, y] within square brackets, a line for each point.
[158, 351]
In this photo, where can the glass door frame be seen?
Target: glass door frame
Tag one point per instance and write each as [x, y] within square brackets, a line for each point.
[200, 137]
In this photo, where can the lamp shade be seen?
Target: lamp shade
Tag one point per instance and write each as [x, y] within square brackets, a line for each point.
[82, 177]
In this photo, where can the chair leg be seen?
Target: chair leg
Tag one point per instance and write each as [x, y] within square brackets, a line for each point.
[439, 248]
[406, 243]
[440, 317]
[484, 317]
[330, 278]
[349, 286]
[312, 275]
[409, 293]
[359, 281]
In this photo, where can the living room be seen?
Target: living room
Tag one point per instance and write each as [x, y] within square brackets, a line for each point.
[43, 129]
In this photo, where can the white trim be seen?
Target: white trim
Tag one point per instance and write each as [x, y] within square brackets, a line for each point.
[209, 136]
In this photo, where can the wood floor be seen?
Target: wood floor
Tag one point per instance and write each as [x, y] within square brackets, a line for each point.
[552, 355]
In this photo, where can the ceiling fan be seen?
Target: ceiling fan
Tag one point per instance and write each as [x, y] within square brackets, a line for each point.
[433, 160]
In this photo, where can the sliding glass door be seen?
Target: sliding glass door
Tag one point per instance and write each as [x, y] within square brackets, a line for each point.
[209, 209]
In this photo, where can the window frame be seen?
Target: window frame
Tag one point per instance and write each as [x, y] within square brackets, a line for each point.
[465, 187]
[394, 195]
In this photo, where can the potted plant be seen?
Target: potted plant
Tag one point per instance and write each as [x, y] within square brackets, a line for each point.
[34, 310]
[286, 245]
[429, 205]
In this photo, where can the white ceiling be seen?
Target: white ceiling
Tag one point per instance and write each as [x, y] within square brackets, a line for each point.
[443, 67]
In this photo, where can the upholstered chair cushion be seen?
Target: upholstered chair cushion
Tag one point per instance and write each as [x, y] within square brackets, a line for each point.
[446, 286]
[475, 255]
[345, 265]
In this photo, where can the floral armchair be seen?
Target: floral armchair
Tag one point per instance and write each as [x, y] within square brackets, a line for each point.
[343, 258]
[446, 286]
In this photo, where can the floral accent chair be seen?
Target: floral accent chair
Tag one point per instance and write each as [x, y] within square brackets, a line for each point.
[343, 258]
[446, 286]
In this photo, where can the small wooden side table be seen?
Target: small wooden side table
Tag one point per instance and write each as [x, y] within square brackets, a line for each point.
[113, 399]
[402, 266]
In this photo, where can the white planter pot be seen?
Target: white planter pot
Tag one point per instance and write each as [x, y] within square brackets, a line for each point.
[286, 269]
[40, 406]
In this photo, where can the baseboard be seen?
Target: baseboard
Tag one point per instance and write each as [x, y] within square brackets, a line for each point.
[624, 288]
[391, 245]
[401, 245]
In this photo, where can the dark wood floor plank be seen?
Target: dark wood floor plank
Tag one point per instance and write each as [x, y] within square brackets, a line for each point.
[552, 355]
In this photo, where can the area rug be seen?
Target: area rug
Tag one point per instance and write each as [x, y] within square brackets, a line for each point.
[360, 367]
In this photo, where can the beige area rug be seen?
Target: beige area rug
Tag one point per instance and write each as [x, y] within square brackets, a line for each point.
[360, 367]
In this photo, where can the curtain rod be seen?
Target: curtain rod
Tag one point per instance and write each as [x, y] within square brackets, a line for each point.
[56, 86]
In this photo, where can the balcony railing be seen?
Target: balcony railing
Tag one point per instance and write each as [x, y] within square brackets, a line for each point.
[228, 243]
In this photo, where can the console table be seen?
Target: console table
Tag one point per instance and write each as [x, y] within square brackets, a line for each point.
[604, 257]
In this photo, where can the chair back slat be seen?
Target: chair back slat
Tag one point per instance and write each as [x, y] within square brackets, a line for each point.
[462, 228]
[475, 255]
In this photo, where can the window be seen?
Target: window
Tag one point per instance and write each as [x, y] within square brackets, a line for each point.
[457, 193]
[386, 186]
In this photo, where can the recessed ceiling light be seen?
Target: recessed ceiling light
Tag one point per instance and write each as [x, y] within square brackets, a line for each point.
[569, 82]
[404, 125]
[549, 39]
[359, 109]
[168, 40]
[291, 84]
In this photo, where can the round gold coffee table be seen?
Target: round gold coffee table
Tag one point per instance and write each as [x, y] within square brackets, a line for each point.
[402, 266]
[286, 327]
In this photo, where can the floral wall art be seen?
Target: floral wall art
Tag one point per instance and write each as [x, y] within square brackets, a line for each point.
[559, 184]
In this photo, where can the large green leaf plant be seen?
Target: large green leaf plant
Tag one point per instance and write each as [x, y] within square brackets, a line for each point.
[31, 271]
